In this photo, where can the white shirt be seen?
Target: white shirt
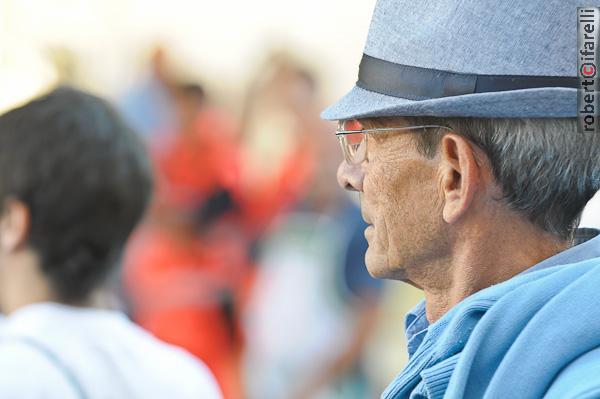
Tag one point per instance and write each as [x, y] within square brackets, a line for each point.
[49, 350]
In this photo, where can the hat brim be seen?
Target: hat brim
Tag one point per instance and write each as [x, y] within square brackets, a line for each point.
[555, 102]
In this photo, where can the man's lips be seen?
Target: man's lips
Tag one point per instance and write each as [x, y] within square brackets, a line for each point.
[366, 219]
[368, 231]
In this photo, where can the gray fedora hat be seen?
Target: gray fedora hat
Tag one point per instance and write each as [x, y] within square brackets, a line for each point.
[473, 58]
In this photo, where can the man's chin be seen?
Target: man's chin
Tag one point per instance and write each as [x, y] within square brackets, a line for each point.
[377, 265]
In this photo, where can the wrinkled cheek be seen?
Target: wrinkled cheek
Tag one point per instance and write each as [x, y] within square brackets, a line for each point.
[370, 194]
[375, 201]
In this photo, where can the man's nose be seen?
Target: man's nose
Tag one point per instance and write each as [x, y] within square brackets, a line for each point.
[350, 177]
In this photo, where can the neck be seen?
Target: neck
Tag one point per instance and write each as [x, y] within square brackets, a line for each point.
[476, 263]
[22, 282]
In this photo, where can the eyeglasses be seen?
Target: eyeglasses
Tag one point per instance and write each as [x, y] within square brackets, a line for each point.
[353, 138]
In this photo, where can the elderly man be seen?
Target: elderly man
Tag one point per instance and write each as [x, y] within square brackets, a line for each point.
[462, 141]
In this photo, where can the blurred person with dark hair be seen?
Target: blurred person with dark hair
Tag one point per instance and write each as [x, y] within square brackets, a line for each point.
[74, 182]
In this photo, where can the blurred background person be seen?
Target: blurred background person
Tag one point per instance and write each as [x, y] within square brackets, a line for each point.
[147, 104]
[314, 306]
[188, 267]
[74, 182]
[280, 119]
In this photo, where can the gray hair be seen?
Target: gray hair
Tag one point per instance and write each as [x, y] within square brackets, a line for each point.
[547, 171]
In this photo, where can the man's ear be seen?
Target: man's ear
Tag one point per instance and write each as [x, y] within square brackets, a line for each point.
[460, 176]
[14, 225]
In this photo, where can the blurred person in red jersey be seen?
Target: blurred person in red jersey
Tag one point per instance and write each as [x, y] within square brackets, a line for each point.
[188, 267]
[74, 182]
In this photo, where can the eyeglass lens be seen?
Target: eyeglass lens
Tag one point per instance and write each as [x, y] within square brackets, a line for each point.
[354, 146]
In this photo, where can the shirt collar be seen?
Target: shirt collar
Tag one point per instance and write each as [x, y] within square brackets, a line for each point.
[416, 323]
